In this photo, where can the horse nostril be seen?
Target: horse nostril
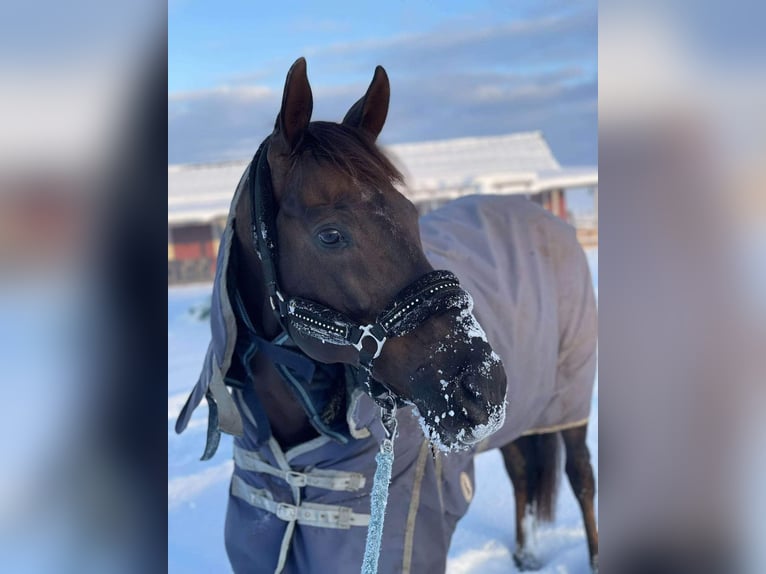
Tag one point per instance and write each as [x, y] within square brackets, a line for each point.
[487, 383]
[473, 385]
[482, 393]
[471, 390]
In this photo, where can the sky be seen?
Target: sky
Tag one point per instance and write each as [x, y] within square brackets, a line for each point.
[456, 68]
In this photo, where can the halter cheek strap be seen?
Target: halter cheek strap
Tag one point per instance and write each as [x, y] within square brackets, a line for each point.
[425, 297]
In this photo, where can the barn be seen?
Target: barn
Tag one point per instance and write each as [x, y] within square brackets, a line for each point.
[436, 172]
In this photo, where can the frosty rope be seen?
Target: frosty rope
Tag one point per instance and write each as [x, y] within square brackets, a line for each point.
[379, 494]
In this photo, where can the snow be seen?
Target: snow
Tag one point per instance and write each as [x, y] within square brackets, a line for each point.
[484, 540]
[186, 488]
[197, 492]
[470, 326]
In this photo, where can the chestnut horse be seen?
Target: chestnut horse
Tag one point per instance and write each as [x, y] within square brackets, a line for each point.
[326, 308]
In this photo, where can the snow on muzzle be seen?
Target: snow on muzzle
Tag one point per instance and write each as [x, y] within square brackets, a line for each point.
[467, 403]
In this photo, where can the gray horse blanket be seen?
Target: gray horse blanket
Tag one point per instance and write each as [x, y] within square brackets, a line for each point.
[305, 510]
[534, 297]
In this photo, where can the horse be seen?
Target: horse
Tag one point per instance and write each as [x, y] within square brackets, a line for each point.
[328, 313]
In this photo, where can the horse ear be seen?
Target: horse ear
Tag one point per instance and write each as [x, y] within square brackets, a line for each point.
[369, 113]
[295, 114]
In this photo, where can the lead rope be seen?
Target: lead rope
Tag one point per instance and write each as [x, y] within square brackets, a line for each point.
[379, 493]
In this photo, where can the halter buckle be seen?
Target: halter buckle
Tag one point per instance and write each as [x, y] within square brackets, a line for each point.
[366, 331]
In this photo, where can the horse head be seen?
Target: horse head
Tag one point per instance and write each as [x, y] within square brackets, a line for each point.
[349, 241]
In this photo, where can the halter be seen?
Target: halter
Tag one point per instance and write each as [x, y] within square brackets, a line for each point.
[428, 295]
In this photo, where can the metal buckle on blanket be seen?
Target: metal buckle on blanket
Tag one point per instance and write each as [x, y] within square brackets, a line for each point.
[298, 479]
[286, 512]
[344, 517]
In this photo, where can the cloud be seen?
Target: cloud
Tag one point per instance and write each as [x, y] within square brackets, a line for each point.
[562, 105]
[245, 93]
[559, 38]
[229, 124]
[538, 73]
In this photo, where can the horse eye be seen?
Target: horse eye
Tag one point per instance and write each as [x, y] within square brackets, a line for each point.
[330, 236]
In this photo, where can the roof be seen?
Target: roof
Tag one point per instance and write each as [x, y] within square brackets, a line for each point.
[513, 163]
[202, 192]
[457, 159]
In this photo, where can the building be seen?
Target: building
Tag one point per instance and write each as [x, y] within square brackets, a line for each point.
[199, 196]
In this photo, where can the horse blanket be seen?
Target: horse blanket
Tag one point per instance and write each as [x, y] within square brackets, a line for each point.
[297, 511]
[533, 296]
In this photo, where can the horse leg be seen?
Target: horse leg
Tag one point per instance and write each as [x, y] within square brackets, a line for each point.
[517, 464]
[580, 474]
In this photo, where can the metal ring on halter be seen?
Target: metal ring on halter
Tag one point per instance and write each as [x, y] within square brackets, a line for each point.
[366, 331]
[388, 416]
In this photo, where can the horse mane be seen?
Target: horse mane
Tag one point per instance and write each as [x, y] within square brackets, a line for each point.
[348, 150]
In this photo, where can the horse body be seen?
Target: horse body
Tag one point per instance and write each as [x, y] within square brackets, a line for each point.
[534, 297]
[306, 411]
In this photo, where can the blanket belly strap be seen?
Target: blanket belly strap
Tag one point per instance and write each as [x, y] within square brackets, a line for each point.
[306, 514]
[326, 479]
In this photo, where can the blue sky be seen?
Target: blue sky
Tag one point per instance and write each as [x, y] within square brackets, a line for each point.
[456, 69]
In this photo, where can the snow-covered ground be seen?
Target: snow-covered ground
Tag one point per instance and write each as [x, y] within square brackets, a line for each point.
[197, 491]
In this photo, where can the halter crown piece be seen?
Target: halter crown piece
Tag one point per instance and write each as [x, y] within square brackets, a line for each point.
[430, 294]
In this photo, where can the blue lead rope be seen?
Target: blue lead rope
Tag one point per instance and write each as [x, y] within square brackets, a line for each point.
[378, 502]
[379, 494]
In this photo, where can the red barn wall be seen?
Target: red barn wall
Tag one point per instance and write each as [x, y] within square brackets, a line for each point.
[193, 242]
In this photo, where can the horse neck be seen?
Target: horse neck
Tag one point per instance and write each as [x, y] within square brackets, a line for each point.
[290, 426]
[249, 274]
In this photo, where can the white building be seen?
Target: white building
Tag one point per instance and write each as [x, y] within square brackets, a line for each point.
[435, 171]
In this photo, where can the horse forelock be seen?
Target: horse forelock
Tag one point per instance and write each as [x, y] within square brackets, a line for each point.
[349, 151]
